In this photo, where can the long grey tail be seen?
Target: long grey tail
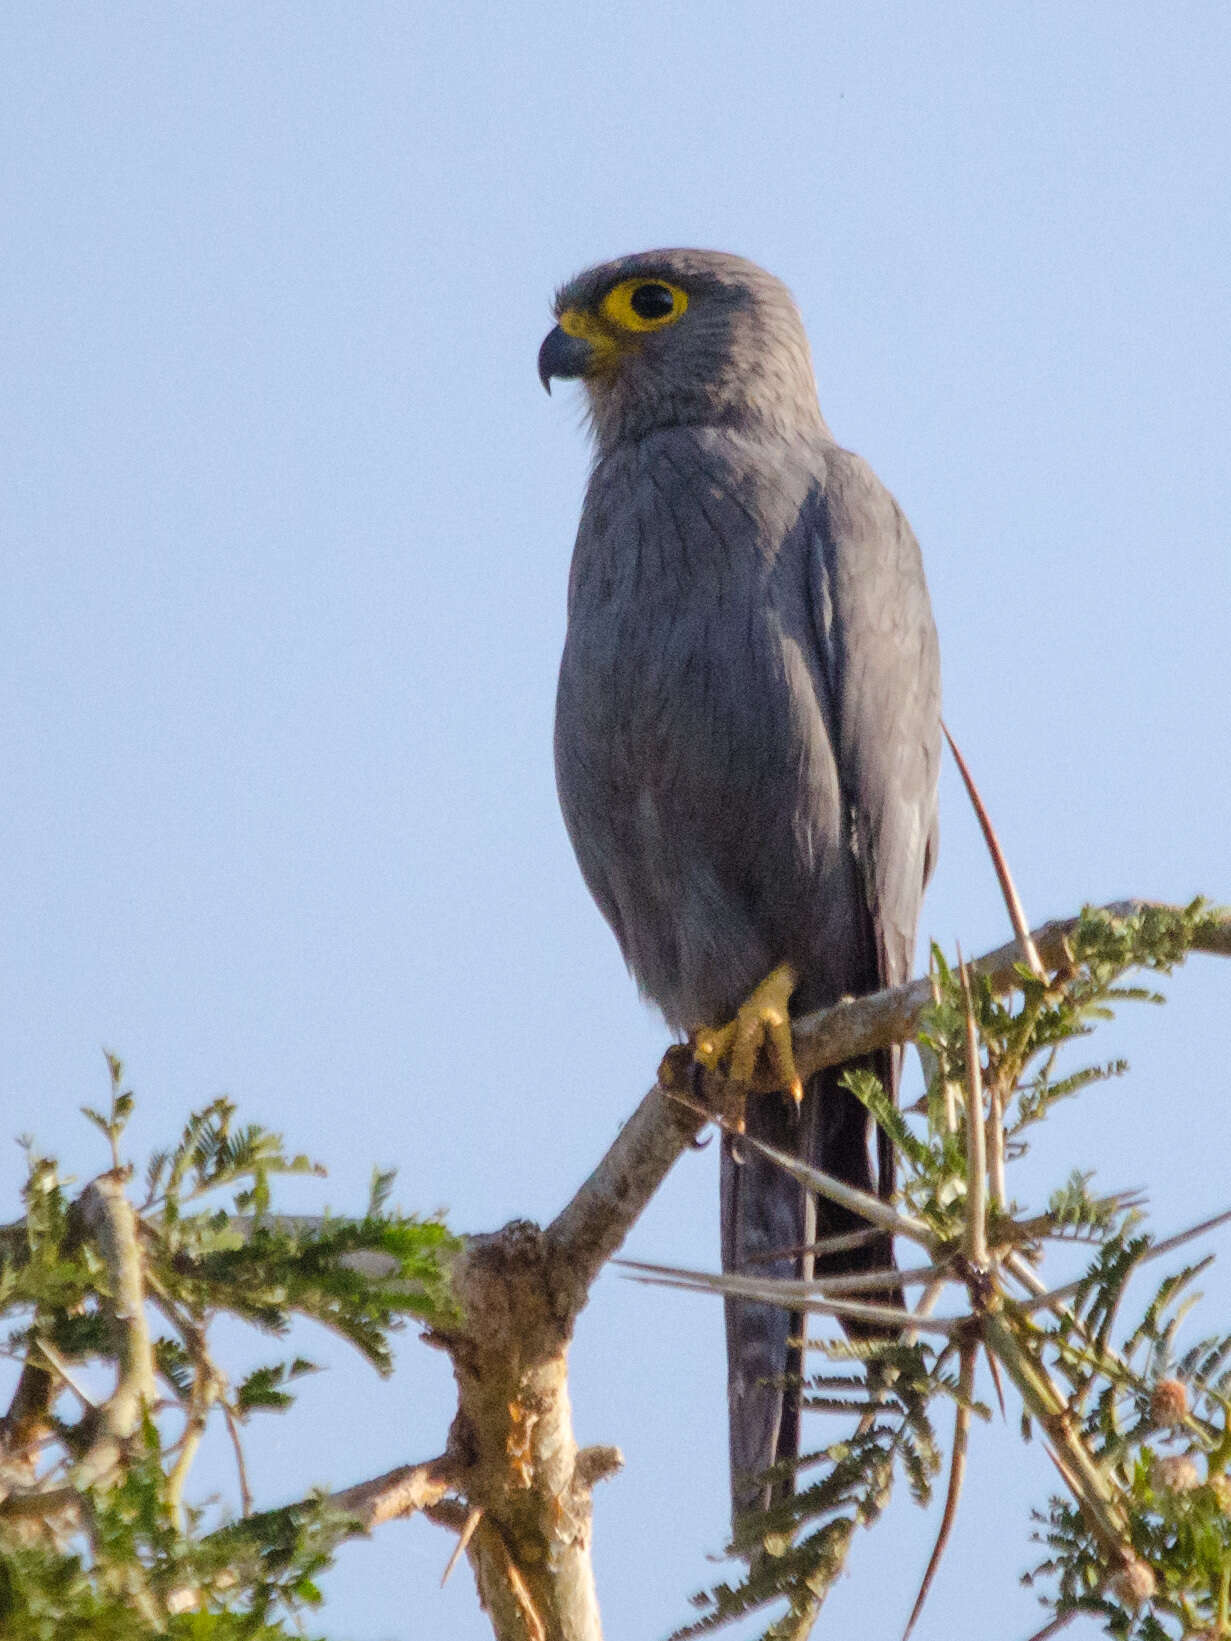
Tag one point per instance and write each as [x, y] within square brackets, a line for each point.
[767, 1220]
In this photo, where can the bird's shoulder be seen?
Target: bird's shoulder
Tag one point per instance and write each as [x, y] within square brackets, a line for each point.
[808, 466]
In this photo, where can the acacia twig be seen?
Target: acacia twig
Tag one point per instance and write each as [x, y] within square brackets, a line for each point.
[792, 1295]
[399, 1492]
[957, 1474]
[1008, 889]
[976, 1148]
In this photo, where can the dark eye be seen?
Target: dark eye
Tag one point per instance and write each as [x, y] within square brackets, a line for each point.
[651, 301]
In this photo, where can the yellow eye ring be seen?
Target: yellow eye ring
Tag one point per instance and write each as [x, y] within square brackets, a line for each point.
[643, 304]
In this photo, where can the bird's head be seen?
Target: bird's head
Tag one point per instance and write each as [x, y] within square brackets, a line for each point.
[666, 338]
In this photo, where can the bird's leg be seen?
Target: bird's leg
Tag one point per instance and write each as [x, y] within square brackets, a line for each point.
[760, 1031]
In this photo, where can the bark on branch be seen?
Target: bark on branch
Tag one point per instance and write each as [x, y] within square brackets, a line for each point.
[397, 1493]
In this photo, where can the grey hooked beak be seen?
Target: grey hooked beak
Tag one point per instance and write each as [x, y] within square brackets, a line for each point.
[563, 355]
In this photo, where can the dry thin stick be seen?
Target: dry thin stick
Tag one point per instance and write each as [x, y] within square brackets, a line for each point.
[925, 1307]
[826, 1185]
[1017, 916]
[840, 1244]
[995, 1144]
[796, 1296]
[245, 1492]
[1048, 1298]
[957, 1474]
[976, 1152]
[826, 1286]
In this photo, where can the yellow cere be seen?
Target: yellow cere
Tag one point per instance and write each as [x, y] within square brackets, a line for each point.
[618, 305]
[577, 322]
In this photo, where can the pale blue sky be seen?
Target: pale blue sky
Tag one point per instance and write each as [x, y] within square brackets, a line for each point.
[285, 523]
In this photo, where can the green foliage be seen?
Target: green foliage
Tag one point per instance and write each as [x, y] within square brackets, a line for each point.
[135, 1572]
[808, 1533]
[1171, 1472]
[96, 1540]
[1142, 1436]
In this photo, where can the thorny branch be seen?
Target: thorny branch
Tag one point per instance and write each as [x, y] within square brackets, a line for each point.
[595, 1223]
[513, 1441]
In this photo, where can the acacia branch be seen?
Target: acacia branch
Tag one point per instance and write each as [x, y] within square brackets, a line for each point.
[512, 1451]
[595, 1223]
[857, 1025]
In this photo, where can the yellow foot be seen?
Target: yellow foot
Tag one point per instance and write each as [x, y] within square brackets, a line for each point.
[760, 1031]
